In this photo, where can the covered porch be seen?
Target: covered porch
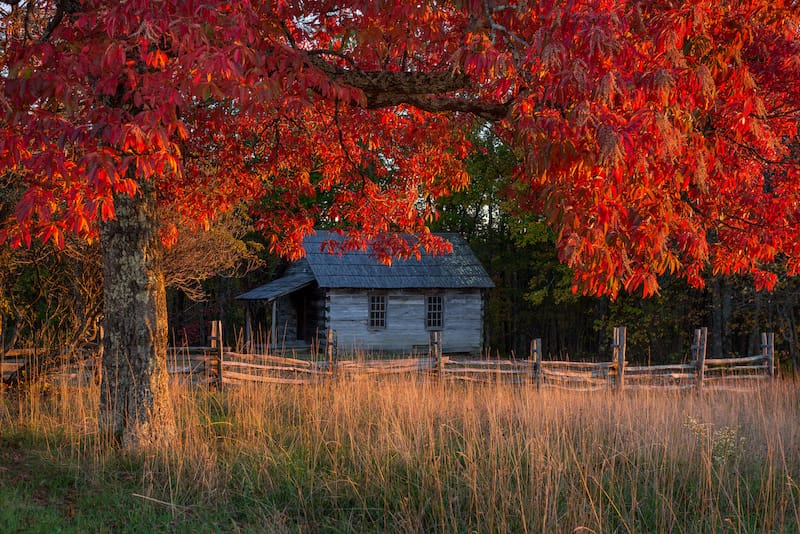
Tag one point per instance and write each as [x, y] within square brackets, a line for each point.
[284, 313]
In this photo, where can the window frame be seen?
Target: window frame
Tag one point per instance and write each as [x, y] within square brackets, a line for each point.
[434, 309]
[377, 306]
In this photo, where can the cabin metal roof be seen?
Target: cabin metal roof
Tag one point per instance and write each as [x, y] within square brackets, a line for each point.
[279, 287]
[361, 270]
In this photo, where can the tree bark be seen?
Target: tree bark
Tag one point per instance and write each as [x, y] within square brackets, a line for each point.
[721, 313]
[135, 407]
[385, 88]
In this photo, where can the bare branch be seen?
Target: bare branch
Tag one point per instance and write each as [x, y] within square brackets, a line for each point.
[198, 256]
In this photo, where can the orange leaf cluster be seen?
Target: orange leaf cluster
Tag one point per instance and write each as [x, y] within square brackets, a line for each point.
[656, 137]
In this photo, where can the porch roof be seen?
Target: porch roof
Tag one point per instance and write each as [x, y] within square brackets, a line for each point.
[279, 287]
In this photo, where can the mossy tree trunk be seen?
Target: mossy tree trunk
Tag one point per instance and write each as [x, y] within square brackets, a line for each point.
[134, 399]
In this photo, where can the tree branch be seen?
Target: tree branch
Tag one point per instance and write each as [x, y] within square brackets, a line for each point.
[419, 89]
[64, 7]
[491, 111]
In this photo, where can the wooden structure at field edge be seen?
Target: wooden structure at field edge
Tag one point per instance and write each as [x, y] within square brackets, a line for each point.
[372, 306]
[218, 365]
[228, 367]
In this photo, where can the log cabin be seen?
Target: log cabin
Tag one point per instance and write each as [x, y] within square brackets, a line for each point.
[371, 306]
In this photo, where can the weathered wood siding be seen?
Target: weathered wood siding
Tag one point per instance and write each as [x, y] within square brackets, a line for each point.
[286, 328]
[348, 313]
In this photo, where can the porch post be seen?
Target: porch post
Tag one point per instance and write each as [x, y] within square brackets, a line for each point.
[274, 326]
[248, 327]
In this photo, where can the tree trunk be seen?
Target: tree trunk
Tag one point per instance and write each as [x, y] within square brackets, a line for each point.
[134, 398]
[721, 313]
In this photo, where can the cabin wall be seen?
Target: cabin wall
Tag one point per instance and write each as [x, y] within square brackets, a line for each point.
[286, 322]
[348, 313]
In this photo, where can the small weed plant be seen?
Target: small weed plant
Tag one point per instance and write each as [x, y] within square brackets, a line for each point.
[721, 445]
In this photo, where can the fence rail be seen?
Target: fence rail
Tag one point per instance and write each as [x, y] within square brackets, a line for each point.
[218, 365]
[701, 372]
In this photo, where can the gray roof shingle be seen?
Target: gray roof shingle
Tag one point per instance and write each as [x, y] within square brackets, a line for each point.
[359, 270]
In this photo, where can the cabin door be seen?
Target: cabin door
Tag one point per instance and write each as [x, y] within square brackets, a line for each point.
[301, 311]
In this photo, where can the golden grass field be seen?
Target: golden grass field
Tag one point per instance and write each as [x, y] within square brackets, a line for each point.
[415, 455]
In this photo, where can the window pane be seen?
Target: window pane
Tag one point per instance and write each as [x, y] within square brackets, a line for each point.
[377, 311]
[434, 312]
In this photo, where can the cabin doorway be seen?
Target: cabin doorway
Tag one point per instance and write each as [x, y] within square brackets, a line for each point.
[301, 310]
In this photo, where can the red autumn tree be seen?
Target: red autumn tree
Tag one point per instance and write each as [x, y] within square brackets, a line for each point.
[652, 135]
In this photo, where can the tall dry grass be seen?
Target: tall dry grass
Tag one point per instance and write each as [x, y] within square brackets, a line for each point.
[416, 455]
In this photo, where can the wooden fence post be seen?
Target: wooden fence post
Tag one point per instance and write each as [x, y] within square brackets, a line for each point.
[216, 343]
[248, 329]
[332, 351]
[435, 351]
[699, 354]
[536, 355]
[620, 346]
[768, 351]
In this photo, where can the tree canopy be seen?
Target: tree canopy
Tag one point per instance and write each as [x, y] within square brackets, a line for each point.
[653, 135]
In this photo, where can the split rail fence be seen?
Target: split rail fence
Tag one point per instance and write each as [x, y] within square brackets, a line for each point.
[218, 365]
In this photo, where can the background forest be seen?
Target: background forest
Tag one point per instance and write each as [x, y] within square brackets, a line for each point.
[52, 298]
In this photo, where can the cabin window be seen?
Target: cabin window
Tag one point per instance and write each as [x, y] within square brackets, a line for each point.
[377, 311]
[434, 311]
